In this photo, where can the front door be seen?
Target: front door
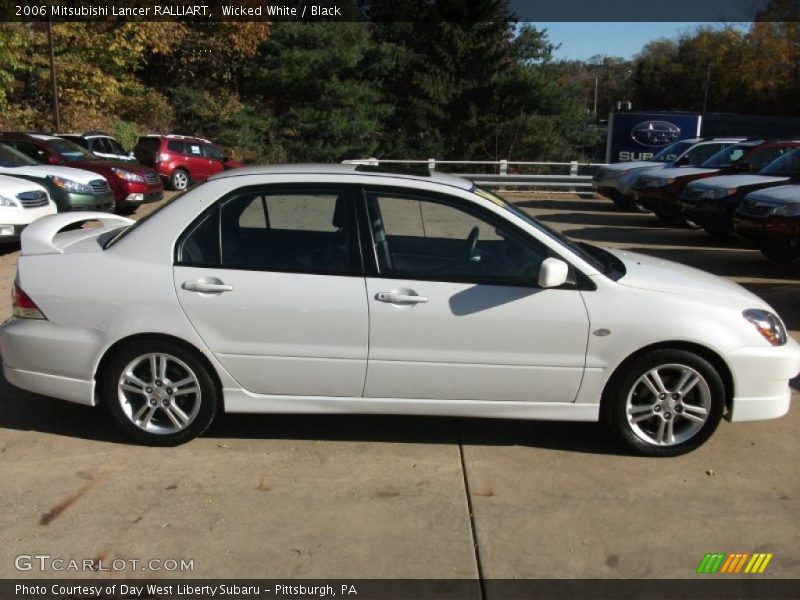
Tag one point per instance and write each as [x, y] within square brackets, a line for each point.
[271, 280]
[455, 309]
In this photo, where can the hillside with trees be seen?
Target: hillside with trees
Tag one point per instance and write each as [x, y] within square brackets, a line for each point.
[328, 91]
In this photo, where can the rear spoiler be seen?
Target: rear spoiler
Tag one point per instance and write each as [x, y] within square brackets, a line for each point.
[43, 237]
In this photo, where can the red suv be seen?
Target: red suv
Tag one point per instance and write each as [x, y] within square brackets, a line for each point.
[181, 159]
[132, 184]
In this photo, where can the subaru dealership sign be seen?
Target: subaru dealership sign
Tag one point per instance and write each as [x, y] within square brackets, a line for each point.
[639, 135]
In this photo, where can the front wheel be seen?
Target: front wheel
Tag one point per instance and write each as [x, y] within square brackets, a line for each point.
[781, 251]
[665, 402]
[159, 393]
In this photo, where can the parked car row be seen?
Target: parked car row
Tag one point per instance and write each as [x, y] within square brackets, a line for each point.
[749, 187]
[91, 171]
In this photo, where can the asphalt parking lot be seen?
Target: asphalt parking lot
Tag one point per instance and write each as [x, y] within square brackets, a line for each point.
[402, 497]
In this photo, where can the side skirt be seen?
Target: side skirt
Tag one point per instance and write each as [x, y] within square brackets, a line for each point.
[240, 401]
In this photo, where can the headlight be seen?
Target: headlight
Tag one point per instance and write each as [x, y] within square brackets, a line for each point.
[659, 183]
[7, 202]
[768, 325]
[69, 185]
[718, 193]
[127, 175]
[617, 174]
[788, 210]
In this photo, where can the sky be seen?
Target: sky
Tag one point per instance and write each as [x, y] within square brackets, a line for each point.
[583, 40]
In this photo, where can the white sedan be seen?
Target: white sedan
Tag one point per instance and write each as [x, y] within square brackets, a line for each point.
[347, 289]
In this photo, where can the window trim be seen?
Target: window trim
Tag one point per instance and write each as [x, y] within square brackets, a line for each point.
[355, 262]
[372, 267]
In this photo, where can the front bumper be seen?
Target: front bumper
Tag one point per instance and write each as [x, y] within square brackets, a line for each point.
[85, 201]
[138, 198]
[761, 381]
[767, 227]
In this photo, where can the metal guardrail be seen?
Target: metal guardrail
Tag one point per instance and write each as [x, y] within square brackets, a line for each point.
[569, 182]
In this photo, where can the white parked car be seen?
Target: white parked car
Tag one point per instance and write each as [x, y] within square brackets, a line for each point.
[21, 203]
[344, 289]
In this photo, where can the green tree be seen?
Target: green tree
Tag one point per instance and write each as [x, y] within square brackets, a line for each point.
[322, 82]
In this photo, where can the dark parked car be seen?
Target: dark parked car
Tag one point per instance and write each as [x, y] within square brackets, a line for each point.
[771, 218]
[132, 184]
[712, 202]
[181, 160]
[659, 191]
[100, 144]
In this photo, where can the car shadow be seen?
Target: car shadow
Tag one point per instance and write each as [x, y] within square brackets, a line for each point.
[9, 248]
[25, 411]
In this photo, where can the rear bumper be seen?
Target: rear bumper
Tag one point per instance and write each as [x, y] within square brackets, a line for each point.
[50, 359]
[65, 388]
[761, 381]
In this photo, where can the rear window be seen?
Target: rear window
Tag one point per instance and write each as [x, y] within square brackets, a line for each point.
[146, 150]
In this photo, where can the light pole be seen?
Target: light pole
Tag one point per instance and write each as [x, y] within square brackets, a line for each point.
[53, 75]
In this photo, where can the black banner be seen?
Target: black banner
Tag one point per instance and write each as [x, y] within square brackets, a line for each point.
[710, 11]
[711, 587]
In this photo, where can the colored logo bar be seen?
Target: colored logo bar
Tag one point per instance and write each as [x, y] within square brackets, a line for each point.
[737, 562]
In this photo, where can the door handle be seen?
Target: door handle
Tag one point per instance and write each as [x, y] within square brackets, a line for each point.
[205, 286]
[401, 297]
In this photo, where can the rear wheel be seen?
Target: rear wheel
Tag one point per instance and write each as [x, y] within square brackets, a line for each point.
[159, 393]
[179, 180]
[665, 402]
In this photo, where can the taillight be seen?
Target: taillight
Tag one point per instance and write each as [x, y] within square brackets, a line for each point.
[24, 307]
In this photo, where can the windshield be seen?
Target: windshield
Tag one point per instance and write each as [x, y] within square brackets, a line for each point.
[603, 261]
[9, 157]
[727, 156]
[787, 165]
[671, 152]
[70, 151]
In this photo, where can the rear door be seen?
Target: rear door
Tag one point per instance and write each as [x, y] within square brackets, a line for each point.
[199, 165]
[271, 279]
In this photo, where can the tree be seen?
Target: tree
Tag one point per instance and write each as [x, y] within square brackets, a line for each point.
[322, 82]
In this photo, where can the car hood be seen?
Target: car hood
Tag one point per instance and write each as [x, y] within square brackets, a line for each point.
[121, 164]
[683, 172]
[14, 185]
[735, 181]
[42, 171]
[636, 164]
[660, 275]
[784, 194]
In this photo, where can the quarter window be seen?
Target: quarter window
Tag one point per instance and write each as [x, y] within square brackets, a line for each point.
[422, 238]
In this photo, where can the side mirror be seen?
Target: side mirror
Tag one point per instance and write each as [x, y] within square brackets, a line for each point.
[553, 273]
[53, 159]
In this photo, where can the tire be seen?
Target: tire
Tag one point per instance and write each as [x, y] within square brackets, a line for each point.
[643, 421]
[780, 252]
[179, 180]
[720, 231]
[169, 407]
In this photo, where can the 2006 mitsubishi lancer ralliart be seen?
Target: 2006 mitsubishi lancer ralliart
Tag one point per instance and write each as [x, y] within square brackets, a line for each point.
[348, 289]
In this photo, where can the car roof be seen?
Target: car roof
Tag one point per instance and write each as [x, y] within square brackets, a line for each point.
[343, 170]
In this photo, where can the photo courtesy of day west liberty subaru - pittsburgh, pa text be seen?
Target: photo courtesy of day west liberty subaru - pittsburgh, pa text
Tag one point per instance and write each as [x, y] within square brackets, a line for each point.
[179, 10]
